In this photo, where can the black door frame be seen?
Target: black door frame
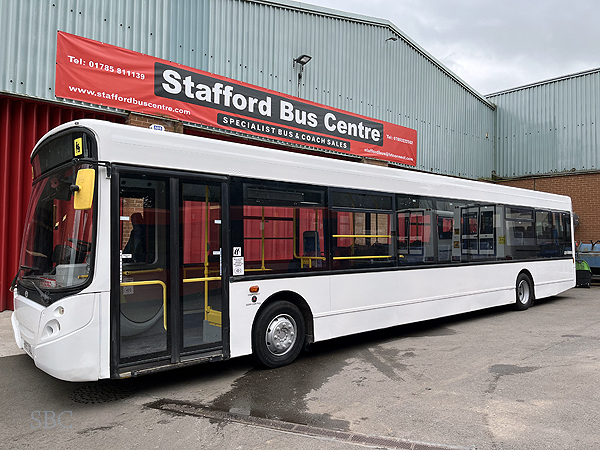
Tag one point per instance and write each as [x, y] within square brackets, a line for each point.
[119, 370]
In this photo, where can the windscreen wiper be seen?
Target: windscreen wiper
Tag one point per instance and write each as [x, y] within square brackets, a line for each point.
[43, 295]
[13, 285]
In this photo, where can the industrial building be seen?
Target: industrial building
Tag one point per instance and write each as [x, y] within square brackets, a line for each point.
[542, 136]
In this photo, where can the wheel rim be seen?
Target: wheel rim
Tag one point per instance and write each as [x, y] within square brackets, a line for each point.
[281, 335]
[523, 292]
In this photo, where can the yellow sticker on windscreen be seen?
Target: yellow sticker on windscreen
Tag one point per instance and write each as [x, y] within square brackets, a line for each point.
[78, 146]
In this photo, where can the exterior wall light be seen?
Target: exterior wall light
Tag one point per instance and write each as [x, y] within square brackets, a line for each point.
[302, 60]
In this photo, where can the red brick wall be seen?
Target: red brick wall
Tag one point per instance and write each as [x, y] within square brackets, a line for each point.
[584, 190]
[139, 120]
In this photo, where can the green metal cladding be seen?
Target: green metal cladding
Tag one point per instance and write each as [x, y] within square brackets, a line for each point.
[549, 127]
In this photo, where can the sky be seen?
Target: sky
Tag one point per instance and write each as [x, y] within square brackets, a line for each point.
[495, 45]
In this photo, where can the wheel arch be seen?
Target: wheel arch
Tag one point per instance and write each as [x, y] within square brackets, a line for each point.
[297, 300]
[524, 298]
[528, 273]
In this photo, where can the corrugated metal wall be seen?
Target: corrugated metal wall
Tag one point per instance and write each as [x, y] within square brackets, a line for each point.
[354, 66]
[22, 123]
[549, 127]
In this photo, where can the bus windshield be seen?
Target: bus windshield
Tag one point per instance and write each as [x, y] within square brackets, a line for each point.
[58, 238]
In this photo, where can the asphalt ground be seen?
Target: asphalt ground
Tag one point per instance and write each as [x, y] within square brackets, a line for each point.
[495, 379]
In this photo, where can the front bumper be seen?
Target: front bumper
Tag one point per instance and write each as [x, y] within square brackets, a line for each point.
[63, 339]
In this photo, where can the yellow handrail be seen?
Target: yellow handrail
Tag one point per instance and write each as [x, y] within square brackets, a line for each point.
[196, 268]
[210, 315]
[152, 282]
[198, 280]
[302, 259]
[137, 272]
[361, 257]
[268, 238]
[362, 236]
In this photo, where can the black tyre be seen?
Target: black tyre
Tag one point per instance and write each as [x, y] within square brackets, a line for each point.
[278, 335]
[524, 292]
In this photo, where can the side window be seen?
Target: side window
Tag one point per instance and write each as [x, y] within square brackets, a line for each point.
[445, 227]
[361, 230]
[478, 232]
[283, 228]
[546, 230]
[553, 233]
[520, 233]
[429, 230]
[416, 221]
[566, 240]
[449, 231]
[469, 225]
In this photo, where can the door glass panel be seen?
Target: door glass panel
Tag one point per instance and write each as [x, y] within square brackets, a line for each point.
[143, 245]
[200, 241]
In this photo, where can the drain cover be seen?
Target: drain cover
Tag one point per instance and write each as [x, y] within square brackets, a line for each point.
[102, 392]
[190, 409]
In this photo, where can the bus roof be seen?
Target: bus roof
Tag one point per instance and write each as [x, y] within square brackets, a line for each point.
[127, 144]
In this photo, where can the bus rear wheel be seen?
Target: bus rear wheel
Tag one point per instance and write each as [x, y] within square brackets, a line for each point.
[524, 292]
[278, 335]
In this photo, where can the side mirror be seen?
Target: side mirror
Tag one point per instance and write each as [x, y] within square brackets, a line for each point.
[83, 189]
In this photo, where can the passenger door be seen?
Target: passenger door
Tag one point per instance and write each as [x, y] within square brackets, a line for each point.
[169, 292]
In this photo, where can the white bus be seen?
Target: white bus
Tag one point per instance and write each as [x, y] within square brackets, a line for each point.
[147, 250]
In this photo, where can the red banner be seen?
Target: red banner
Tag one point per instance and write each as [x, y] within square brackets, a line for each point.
[93, 72]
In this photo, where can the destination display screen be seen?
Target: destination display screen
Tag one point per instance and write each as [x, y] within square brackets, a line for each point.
[60, 150]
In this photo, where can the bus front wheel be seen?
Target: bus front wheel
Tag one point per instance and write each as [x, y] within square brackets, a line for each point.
[524, 292]
[278, 335]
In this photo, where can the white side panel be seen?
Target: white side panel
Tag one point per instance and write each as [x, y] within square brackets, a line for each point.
[27, 317]
[16, 329]
[351, 322]
[550, 289]
[552, 277]
[315, 290]
[368, 301]
[362, 302]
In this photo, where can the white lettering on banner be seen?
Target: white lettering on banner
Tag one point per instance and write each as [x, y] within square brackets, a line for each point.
[224, 94]
[172, 85]
[288, 113]
[216, 94]
[194, 88]
[351, 128]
